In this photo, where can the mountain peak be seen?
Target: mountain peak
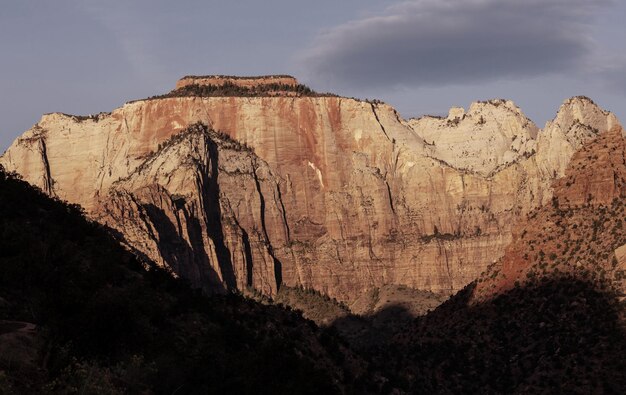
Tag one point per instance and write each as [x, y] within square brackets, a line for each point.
[583, 110]
[491, 135]
[504, 103]
[578, 120]
[579, 99]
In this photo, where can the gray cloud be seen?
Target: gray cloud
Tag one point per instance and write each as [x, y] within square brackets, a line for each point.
[435, 42]
[610, 71]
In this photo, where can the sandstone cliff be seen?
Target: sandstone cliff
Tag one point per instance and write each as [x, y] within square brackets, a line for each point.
[204, 213]
[580, 233]
[488, 137]
[246, 82]
[334, 194]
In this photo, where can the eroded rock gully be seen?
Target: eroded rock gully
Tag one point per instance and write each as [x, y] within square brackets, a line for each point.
[330, 193]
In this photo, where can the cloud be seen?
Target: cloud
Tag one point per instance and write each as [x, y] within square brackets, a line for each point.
[613, 77]
[608, 70]
[437, 42]
[134, 32]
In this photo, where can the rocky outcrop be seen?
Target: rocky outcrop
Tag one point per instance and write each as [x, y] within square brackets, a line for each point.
[334, 194]
[201, 206]
[245, 82]
[490, 136]
[580, 233]
[578, 121]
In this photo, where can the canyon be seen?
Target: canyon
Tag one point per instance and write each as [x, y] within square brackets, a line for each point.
[306, 190]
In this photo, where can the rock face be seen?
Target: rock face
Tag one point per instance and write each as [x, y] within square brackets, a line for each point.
[491, 135]
[329, 193]
[245, 82]
[580, 233]
[578, 121]
[204, 213]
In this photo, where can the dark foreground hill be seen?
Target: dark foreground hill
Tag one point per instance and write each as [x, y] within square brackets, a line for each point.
[79, 314]
[558, 335]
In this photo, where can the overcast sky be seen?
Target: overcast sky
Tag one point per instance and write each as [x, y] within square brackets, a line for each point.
[420, 56]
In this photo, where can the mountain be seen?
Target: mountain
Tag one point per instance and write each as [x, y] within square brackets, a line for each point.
[580, 232]
[80, 314]
[253, 183]
[335, 206]
[549, 316]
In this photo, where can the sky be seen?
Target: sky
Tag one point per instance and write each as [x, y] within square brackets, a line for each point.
[420, 56]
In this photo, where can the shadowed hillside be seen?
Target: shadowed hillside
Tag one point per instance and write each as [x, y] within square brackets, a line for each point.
[553, 335]
[79, 314]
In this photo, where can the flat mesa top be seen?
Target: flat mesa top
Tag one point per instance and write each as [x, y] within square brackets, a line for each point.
[246, 82]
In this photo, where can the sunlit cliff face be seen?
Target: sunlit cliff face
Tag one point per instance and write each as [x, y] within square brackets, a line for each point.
[336, 194]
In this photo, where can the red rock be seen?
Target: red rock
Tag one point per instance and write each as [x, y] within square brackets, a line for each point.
[337, 194]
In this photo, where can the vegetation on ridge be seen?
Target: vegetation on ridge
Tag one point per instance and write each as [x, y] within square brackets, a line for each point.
[237, 77]
[230, 89]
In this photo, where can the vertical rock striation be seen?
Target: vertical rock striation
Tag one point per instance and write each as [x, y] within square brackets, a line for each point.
[330, 193]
